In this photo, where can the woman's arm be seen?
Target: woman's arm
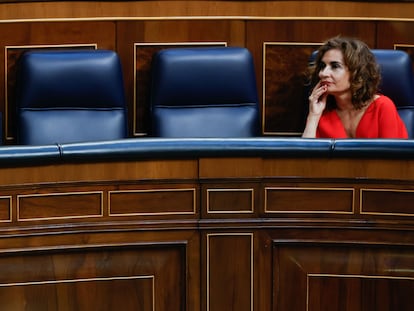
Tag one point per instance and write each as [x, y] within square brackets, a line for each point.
[317, 104]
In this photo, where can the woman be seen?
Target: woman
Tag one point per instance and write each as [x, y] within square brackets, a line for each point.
[344, 102]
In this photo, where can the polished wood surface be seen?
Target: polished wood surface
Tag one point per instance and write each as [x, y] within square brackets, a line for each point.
[161, 9]
[208, 234]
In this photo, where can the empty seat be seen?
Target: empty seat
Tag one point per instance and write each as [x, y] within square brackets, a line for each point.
[70, 96]
[204, 92]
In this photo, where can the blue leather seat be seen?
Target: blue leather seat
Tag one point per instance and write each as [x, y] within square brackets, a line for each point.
[70, 96]
[204, 92]
[398, 83]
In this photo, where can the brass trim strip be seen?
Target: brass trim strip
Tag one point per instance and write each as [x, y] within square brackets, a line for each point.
[79, 280]
[213, 17]
[402, 45]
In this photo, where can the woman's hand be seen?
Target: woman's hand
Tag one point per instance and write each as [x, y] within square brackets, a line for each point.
[317, 99]
[317, 104]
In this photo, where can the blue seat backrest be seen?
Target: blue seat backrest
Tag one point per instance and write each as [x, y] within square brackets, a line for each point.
[70, 96]
[397, 82]
[204, 92]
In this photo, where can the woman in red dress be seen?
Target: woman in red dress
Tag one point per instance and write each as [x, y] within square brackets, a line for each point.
[344, 102]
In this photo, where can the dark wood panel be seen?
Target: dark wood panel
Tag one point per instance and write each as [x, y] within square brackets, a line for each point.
[307, 200]
[104, 278]
[341, 277]
[387, 202]
[230, 199]
[229, 271]
[49, 206]
[396, 35]
[162, 202]
[5, 208]
[391, 33]
[359, 293]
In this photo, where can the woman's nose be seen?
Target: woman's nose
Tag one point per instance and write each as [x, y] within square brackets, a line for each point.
[323, 72]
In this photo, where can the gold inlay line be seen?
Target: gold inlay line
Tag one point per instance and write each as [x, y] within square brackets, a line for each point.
[77, 280]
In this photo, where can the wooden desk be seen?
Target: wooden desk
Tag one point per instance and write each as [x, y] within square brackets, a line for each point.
[208, 233]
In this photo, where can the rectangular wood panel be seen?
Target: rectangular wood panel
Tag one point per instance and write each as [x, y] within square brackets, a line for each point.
[153, 202]
[229, 272]
[106, 278]
[358, 293]
[59, 205]
[221, 200]
[387, 202]
[5, 208]
[309, 200]
[341, 277]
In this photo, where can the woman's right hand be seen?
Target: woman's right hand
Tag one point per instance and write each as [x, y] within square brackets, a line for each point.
[317, 99]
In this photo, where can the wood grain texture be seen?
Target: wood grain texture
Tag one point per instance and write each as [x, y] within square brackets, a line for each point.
[275, 234]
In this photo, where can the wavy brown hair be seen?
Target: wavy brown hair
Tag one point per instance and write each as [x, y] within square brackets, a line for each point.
[364, 71]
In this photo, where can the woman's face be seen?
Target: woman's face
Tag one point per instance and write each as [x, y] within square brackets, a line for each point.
[334, 73]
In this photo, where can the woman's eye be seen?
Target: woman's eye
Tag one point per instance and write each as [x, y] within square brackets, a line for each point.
[336, 66]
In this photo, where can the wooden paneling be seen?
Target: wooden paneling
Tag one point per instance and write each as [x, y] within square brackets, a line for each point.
[152, 202]
[395, 202]
[5, 208]
[333, 277]
[206, 234]
[104, 278]
[274, 234]
[213, 8]
[59, 205]
[231, 199]
[98, 171]
[394, 32]
[297, 199]
[229, 261]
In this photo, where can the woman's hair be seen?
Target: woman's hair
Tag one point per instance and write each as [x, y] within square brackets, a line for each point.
[364, 71]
